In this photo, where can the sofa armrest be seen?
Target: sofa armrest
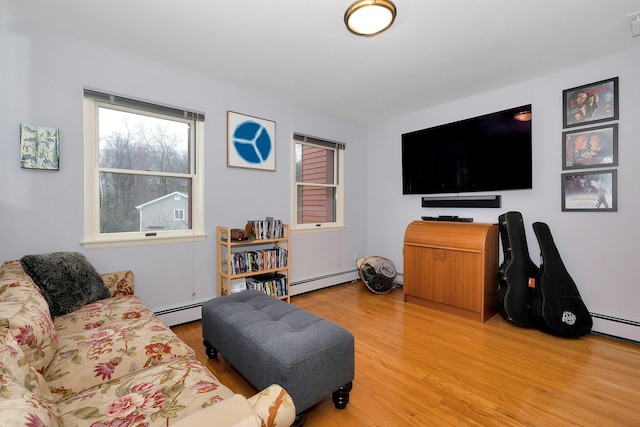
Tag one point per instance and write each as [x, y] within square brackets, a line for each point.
[119, 282]
[231, 412]
[274, 406]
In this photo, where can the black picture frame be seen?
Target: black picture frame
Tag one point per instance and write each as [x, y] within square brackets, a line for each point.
[592, 147]
[592, 103]
[594, 191]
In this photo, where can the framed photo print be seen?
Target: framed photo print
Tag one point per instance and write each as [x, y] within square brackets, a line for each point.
[590, 192]
[251, 142]
[592, 103]
[590, 148]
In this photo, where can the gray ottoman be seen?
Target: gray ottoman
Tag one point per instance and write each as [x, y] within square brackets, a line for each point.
[269, 341]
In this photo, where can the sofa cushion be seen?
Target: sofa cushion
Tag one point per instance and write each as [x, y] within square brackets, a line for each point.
[156, 396]
[67, 280]
[119, 336]
[21, 399]
[25, 313]
[101, 313]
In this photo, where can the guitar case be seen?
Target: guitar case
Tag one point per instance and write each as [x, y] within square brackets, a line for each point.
[557, 307]
[514, 273]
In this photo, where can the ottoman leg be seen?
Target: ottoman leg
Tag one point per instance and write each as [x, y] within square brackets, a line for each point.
[341, 396]
[211, 352]
[299, 420]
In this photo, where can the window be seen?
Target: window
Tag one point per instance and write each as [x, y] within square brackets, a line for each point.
[318, 188]
[143, 172]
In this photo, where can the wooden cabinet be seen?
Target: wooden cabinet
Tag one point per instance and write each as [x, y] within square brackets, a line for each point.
[263, 261]
[452, 266]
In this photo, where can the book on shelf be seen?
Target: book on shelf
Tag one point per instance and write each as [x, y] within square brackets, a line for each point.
[265, 229]
[258, 260]
[270, 284]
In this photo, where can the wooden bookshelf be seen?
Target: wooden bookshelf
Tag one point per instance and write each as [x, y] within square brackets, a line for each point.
[262, 263]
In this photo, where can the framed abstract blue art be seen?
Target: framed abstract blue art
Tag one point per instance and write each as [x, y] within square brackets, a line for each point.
[251, 142]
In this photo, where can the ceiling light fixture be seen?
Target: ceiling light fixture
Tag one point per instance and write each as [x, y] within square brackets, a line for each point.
[370, 17]
[523, 116]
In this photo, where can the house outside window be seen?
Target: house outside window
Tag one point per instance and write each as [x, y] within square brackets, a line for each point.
[143, 164]
[318, 195]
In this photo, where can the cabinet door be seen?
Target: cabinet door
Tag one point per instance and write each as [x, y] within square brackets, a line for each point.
[445, 276]
[458, 280]
[419, 272]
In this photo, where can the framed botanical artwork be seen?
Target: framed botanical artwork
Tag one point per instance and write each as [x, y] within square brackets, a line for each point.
[39, 147]
[592, 103]
[590, 147]
[250, 142]
[590, 192]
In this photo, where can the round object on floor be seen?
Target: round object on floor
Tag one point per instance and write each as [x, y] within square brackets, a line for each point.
[377, 273]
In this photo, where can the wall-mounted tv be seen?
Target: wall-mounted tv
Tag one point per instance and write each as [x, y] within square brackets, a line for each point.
[486, 153]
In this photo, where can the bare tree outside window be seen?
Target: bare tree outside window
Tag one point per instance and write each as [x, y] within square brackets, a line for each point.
[143, 172]
[141, 160]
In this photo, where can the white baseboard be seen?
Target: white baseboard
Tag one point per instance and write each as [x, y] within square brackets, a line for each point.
[315, 283]
[181, 313]
[616, 327]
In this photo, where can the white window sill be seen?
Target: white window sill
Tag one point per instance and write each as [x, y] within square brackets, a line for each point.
[318, 229]
[139, 240]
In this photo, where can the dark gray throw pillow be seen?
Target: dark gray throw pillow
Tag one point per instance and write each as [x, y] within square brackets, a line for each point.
[67, 280]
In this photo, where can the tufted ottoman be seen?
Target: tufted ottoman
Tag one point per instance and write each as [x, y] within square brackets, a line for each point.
[269, 341]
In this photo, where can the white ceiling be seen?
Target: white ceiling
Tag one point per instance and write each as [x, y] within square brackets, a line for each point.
[300, 50]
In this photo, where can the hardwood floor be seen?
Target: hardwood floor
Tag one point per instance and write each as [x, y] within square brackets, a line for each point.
[419, 366]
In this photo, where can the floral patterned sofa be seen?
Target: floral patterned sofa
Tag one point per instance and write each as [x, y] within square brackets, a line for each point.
[110, 362]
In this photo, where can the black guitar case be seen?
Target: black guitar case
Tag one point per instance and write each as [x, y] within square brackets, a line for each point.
[557, 307]
[514, 294]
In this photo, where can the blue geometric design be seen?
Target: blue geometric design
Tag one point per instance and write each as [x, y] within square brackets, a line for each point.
[252, 142]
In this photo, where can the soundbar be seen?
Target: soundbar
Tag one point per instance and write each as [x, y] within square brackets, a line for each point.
[462, 202]
[453, 218]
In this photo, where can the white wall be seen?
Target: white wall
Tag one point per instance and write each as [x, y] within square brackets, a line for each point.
[600, 250]
[42, 76]
[41, 80]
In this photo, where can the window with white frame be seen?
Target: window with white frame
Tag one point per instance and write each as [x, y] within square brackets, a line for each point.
[143, 171]
[318, 194]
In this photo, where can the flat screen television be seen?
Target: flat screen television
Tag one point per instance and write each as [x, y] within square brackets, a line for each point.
[486, 153]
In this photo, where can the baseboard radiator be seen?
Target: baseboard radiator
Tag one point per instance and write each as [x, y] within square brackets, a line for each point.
[313, 284]
[625, 329]
[191, 311]
[181, 313]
